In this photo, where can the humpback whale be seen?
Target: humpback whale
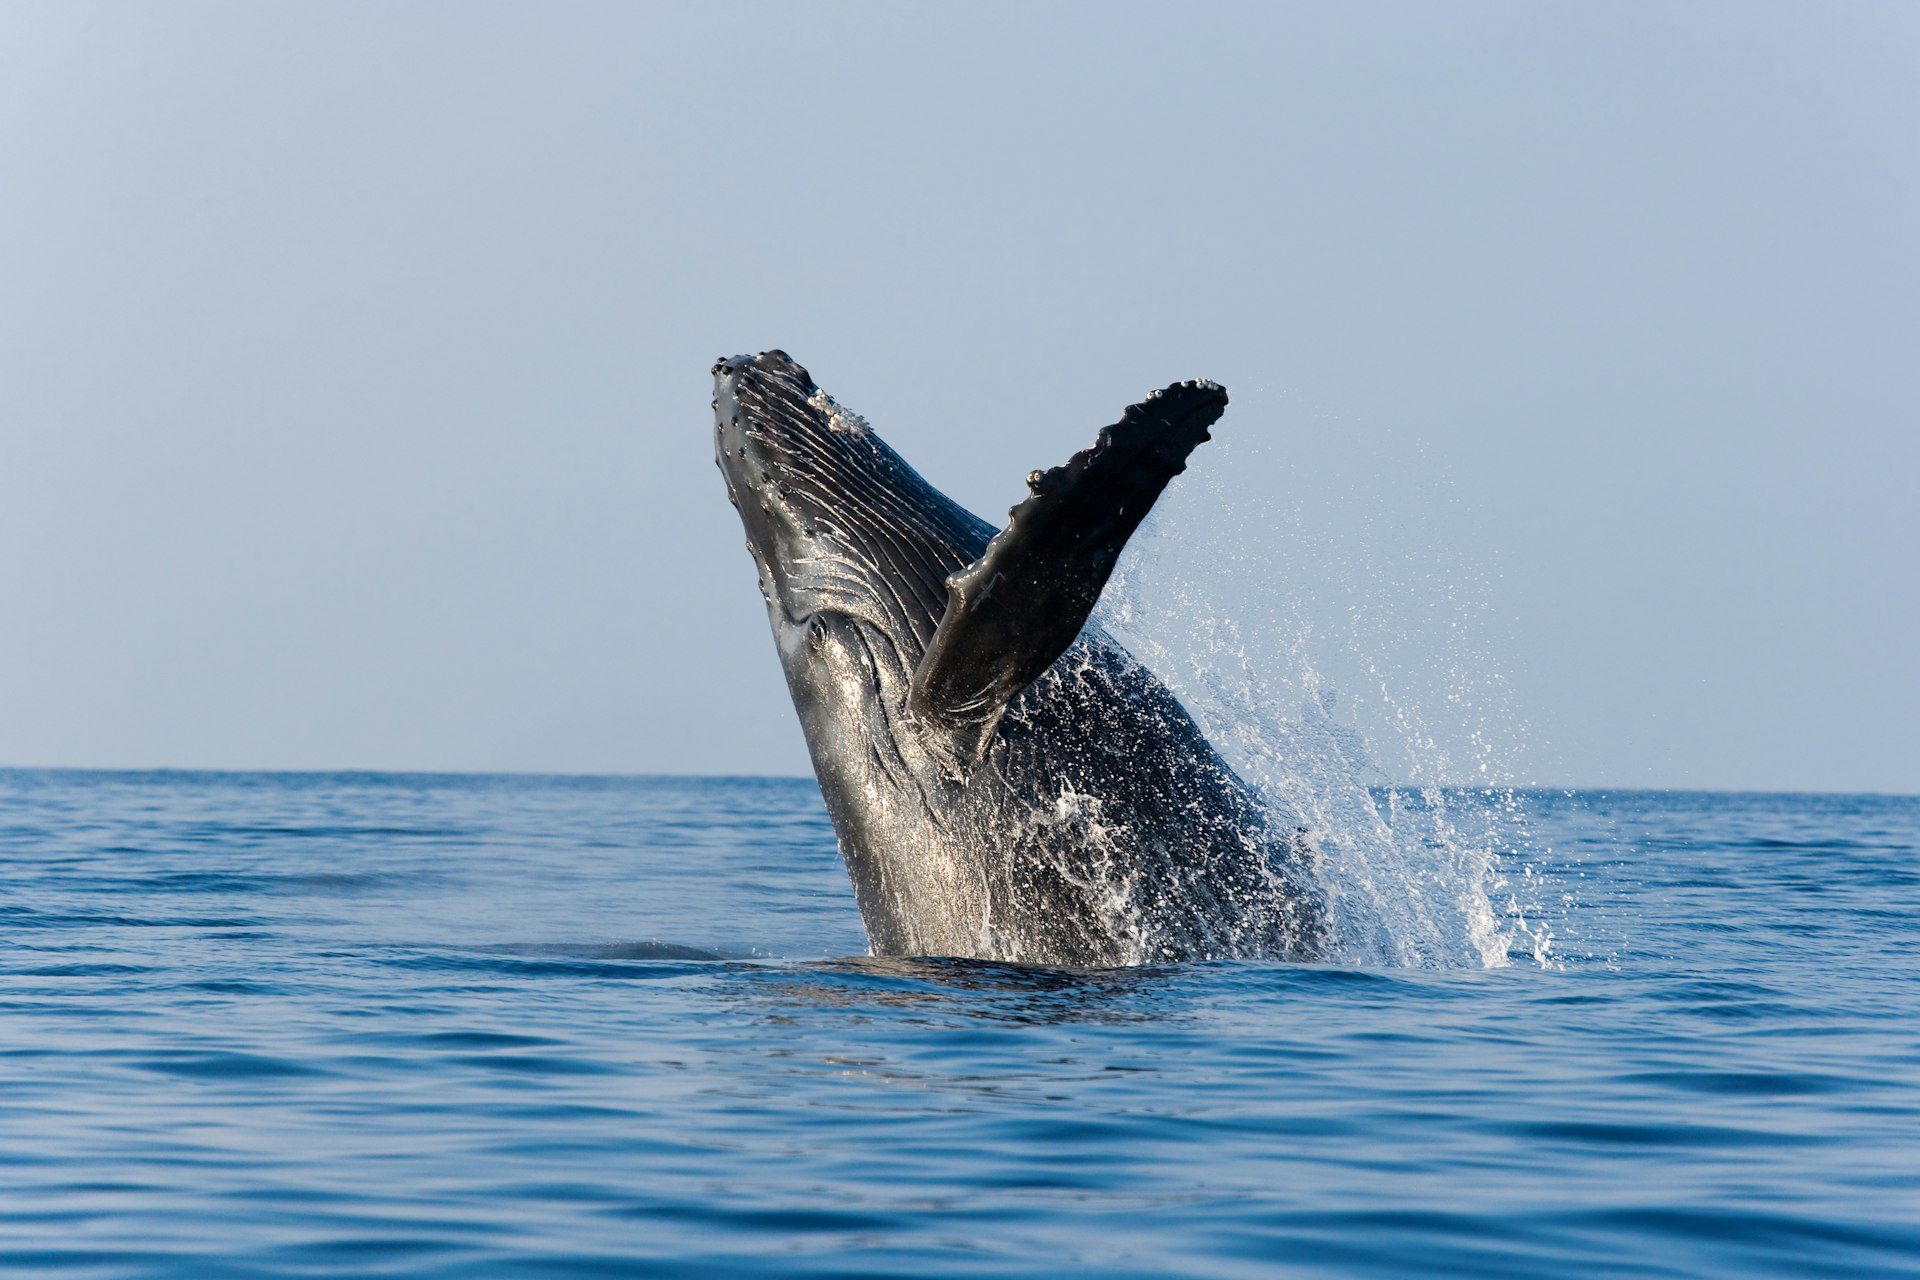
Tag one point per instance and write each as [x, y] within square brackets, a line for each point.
[1006, 782]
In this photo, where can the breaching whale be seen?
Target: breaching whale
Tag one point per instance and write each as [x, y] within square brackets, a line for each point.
[1007, 783]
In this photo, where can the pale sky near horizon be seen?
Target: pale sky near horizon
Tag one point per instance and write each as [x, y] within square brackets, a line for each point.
[354, 358]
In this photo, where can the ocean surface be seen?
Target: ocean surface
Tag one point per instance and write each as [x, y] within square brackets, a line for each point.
[456, 1026]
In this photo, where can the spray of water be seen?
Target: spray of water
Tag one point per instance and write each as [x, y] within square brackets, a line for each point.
[1260, 620]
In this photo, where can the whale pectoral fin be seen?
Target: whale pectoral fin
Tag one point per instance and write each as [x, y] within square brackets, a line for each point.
[1021, 604]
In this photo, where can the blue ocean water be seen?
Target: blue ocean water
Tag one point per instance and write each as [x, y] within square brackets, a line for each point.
[427, 1026]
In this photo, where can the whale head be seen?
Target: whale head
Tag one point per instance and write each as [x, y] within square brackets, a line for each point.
[841, 528]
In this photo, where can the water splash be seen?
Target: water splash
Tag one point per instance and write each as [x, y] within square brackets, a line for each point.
[1258, 620]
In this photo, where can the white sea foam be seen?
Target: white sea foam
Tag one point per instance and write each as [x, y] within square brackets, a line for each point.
[839, 417]
[1253, 617]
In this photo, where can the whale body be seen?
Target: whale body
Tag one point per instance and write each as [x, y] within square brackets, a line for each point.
[1006, 782]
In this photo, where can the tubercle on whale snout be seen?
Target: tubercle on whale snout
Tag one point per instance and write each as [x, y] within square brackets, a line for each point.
[773, 424]
[765, 417]
[773, 363]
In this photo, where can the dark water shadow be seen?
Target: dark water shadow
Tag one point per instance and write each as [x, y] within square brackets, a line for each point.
[532, 961]
[651, 949]
[971, 989]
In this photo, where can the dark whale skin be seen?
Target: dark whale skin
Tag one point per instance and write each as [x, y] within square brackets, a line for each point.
[1029, 793]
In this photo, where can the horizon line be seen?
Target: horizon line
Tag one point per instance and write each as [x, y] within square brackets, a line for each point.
[604, 775]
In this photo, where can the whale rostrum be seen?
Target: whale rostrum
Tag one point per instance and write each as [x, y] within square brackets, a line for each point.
[1005, 780]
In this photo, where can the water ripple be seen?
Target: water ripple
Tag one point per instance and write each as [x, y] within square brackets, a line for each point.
[276, 1026]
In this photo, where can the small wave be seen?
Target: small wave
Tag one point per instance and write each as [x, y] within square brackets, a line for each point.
[972, 990]
[79, 969]
[1746, 1084]
[277, 883]
[19, 917]
[625, 961]
[239, 831]
[225, 1064]
[652, 949]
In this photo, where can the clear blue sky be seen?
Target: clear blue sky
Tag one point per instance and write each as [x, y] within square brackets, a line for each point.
[353, 358]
